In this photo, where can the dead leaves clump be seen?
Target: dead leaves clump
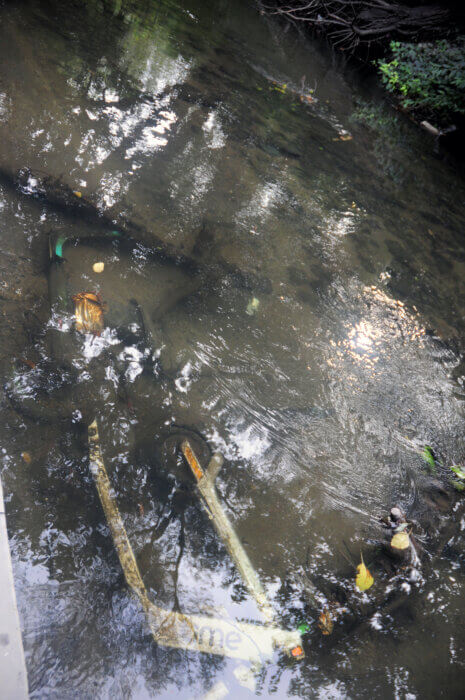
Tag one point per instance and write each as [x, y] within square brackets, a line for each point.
[325, 622]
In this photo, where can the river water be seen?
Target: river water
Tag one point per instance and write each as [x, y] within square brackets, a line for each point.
[308, 323]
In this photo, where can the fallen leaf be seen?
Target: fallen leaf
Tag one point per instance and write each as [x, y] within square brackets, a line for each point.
[303, 627]
[98, 267]
[78, 194]
[345, 137]
[325, 623]
[252, 306]
[88, 311]
[363, 580]
[27, 362]
[401, 541]
[26, 457]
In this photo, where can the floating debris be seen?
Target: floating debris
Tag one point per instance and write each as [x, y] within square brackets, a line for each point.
[89, 309]
[98, 267]
[325, 622]
[401, 540]
[363, 580]
[252, 306]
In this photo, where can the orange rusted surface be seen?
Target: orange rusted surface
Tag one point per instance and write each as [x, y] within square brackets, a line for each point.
[297, 652]
[192, 460]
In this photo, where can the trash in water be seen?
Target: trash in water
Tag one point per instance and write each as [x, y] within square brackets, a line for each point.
[252, 306]
[206, 486]
[298, 653]
[303, 627]
[225, 637]
[216, 512]
[88, 310]
[401, 540]
[98, 267]
[245, 677]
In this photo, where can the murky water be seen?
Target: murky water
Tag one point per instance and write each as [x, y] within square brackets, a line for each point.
[305, 317]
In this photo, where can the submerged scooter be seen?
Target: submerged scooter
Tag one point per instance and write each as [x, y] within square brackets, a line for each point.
[80, 321]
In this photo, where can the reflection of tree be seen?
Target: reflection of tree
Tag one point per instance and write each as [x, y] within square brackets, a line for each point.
[122, 54]
[389, 143]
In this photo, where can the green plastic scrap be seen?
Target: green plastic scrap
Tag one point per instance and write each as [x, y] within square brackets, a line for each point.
[59, 246]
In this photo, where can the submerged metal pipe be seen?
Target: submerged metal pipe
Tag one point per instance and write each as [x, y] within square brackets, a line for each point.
[224, 528]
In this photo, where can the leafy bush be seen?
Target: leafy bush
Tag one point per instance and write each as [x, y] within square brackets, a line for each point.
[429, 77]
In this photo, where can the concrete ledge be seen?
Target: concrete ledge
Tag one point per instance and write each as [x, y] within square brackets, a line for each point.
[13, 677]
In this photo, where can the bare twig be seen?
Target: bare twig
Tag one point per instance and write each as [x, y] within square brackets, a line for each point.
[350, 23]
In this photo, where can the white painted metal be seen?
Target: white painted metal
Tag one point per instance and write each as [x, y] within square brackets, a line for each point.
[13, 676]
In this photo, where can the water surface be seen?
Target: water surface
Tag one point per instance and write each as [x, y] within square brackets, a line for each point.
[318, 348]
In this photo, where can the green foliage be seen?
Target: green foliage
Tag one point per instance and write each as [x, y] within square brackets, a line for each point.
[429, 77]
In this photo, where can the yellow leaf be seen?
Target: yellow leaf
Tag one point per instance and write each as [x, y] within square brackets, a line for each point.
[363, 580]
[325, 623]
[78, 194]
[26, 457]
[401, 541]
